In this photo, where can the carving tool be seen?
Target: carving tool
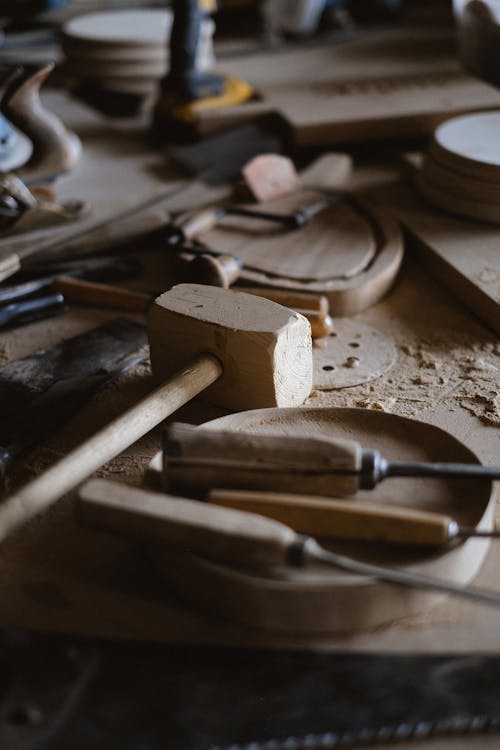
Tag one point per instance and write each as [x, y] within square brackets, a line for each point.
[253, 352]
[185, 229]
[336, 519]
[203, 459]
[98, 269]
[234, 537]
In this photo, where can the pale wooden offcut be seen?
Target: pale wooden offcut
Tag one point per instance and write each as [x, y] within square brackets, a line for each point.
[265, 348]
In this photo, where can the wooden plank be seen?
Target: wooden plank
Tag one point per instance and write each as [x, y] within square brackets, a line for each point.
[334, 92]
[462, 254]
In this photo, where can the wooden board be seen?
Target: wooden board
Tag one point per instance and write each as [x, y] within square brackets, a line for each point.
[338, 243]
[320, 600]
[463, 254]
[367, 275]
[381, 84]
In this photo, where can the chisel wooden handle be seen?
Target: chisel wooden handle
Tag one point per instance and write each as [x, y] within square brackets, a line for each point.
[201, 222]
[338, 519]
[221, 534]
[314, 307]
[201, 459]
[107, 443]
[102, 295]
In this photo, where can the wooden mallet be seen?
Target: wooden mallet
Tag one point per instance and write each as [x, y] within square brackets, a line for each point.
[247, 351]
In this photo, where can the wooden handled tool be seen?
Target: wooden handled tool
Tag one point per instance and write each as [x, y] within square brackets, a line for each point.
[193, 225]
[202, 459]
[336, 519]
[312, 306]
[258, 352]
[231, 536]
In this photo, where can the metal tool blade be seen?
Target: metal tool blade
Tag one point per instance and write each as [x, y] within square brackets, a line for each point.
[41, 392]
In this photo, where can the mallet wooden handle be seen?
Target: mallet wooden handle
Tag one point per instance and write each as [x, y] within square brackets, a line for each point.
[221, 534]
[340, 519]
[107, 443]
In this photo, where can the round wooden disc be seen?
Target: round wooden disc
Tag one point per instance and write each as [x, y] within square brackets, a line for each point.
[141, 27]
[321, 599]
[338, 243]
[154, 56]
[353, 354]
[449, 181]
[470, 144]
[90, 69]
[348, 296]
[455, 204]
[139, 86]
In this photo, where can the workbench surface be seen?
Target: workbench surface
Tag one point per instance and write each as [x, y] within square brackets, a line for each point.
[54, 575]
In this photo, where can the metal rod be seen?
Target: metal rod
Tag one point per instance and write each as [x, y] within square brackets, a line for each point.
[312, 551]
[441, 470]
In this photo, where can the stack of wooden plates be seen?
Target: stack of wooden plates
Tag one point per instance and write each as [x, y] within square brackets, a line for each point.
[120, 51]
[461, 171]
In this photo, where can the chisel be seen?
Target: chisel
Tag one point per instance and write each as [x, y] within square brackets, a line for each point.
[336, 519]
[319, 465]
[233, 537]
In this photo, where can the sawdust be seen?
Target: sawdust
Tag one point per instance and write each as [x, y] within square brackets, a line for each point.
[454, 366]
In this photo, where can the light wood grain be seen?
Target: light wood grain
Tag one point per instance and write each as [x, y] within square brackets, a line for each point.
[265, 349]
[338, 519]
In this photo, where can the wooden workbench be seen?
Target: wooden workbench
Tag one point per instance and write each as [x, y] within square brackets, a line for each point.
[53, 575]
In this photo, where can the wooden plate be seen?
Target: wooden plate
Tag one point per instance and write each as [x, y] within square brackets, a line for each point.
[470, 144]
[323, 600]
[480, 210]
[455, 183]
[353, 262]
[141, 27]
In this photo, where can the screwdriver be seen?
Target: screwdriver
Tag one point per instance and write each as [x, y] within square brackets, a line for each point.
[319, 465]
[232, 537]
[363, 522]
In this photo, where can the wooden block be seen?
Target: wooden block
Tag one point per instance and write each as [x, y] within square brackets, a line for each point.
[265, 349]
[270, 176]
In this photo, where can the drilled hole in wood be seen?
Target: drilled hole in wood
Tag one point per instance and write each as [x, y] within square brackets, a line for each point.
[353, 344]
[328, 368]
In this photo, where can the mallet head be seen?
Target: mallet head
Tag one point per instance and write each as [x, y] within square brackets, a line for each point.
[264, 348]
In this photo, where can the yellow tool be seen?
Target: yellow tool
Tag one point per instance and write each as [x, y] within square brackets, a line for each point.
[187, 89]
